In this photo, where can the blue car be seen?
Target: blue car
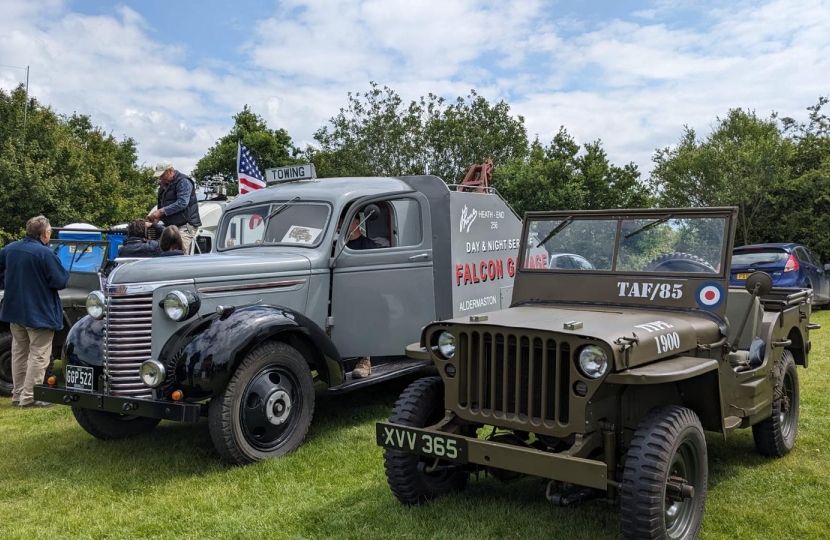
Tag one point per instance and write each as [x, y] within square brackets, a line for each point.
[790, 265]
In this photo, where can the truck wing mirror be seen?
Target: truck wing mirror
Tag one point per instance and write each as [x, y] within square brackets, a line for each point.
[827, 267]
[372, 212]
[760, 281]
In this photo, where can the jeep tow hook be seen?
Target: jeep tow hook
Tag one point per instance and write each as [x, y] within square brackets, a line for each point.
[559, 499]
[677, 490]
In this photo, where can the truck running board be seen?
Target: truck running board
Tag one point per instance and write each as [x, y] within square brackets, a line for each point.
[382, 372]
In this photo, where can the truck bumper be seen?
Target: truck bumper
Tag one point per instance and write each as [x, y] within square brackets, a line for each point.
[579, 471]
[164, 410]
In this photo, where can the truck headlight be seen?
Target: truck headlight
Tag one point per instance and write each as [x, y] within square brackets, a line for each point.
[593, 362]
[96, 305]
[180, 305]
[152, 373]
[446, 345]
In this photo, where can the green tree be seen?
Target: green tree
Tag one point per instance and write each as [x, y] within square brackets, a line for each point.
[65, 168]
[378, 134]
[743, 162]
[268, 147]
[558, 177]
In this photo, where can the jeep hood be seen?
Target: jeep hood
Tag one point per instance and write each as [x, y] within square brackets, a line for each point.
[233, 264]
[609, 324]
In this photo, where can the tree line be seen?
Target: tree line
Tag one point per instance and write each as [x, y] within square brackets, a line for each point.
[775, 169]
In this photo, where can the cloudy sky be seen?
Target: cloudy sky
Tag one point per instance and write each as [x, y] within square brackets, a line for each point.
[172, 73]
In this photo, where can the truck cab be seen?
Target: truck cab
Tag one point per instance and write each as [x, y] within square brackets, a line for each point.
[602, 377]
[242, 333]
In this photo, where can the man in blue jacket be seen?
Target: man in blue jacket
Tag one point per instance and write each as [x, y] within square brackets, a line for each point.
[32, 275]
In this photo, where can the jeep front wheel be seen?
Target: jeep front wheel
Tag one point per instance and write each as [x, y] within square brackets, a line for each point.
[109, 426]
[6, 384]
[415, 479]
[266, 409]
[775, 436]
[665, 479]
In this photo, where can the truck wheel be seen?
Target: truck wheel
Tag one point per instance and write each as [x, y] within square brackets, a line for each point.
[775, 436]
[665, 479]
[109, 426]
[421, 405]
[6, 385]
[678, 262]
[266, 410]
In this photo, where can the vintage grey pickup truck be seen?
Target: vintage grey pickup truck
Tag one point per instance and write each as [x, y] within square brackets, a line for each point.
[241, 335]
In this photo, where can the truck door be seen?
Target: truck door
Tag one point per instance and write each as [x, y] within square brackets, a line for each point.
[382, 297]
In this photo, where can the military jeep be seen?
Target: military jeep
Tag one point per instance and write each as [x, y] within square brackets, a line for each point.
[601, 378]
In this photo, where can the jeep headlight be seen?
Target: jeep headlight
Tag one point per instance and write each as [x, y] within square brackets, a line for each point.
[180, 305]
[446, 345]
[95, 305]
[593, 362]
[152, 373]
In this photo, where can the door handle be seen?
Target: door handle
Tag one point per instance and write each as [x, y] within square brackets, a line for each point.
[419, 256]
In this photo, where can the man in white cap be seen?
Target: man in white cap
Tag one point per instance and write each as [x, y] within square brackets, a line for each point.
[177, 204]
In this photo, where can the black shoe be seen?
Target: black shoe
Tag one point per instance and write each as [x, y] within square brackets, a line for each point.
[37, 405]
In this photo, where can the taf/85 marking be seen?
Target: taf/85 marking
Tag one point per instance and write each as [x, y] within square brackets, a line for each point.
[650, 290]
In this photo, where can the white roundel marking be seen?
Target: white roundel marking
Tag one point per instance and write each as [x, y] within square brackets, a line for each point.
[709, 296]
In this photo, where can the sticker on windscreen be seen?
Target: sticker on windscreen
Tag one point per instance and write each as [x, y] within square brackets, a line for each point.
[710, 295]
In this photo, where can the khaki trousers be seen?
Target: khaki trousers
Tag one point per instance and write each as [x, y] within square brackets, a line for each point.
[31, 351]
[188, 233]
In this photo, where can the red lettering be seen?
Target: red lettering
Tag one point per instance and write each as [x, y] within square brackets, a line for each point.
[458, 274]
[499, 269]
[483, 270]
[491, 270]
[467, 278]
[475, 276]
[511, 267]
[545, 260]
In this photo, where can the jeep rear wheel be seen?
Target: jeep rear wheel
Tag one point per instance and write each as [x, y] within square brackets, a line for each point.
[6, 384]
[775, 436]
[665, 479]
[421, 405]
[266, 409]
[109, 426]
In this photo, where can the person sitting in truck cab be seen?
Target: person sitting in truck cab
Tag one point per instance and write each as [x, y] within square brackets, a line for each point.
[171, 242]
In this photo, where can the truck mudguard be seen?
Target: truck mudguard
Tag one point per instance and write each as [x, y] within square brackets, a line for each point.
[204, 354]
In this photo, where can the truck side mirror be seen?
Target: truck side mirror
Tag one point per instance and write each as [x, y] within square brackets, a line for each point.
[827, 267]
[371, 212]
[762, 281]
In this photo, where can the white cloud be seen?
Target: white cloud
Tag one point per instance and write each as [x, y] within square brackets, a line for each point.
[633, 83]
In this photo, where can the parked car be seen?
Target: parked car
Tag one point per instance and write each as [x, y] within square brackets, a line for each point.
[790, 265]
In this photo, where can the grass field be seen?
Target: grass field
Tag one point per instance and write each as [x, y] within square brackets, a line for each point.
[58, 482]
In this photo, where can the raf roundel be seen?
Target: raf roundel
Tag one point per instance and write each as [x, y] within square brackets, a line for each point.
[710, 295]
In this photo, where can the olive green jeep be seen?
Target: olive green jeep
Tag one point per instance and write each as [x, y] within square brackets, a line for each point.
[604, 372]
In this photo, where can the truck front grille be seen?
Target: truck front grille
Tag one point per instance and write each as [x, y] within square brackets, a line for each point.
[514, 378]
[127, 342]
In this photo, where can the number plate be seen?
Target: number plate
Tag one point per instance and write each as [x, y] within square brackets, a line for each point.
[742, 277]
[436, 445]
[80, 378]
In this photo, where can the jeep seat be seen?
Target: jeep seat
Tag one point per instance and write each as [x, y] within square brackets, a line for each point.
[737, 302]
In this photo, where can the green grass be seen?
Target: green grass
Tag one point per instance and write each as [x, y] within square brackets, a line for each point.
[56, 482]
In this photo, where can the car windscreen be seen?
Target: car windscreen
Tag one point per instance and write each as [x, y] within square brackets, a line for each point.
[756, 257]
[661, 244]
[280, 223]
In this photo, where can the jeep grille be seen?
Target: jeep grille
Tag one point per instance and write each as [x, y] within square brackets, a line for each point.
[127, 341]
[514, 378]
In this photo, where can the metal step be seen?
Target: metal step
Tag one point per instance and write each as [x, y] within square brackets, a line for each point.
[731, 423]
[382, 372]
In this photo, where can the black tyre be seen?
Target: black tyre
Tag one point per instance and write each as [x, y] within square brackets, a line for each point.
[667, 452]
[775, 436]
[266, 410]
[421, 405]
[6, 385]
[678, 262]
[110, 426]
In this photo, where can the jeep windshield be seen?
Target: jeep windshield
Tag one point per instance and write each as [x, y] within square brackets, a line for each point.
[292, 223]
[665, 243]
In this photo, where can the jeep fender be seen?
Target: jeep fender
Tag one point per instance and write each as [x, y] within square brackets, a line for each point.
[204, 354]
[85, 344]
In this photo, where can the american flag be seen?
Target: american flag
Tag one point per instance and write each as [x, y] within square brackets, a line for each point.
[250, 179]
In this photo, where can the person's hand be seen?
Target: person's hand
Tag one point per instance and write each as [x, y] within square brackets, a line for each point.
[154, 216]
